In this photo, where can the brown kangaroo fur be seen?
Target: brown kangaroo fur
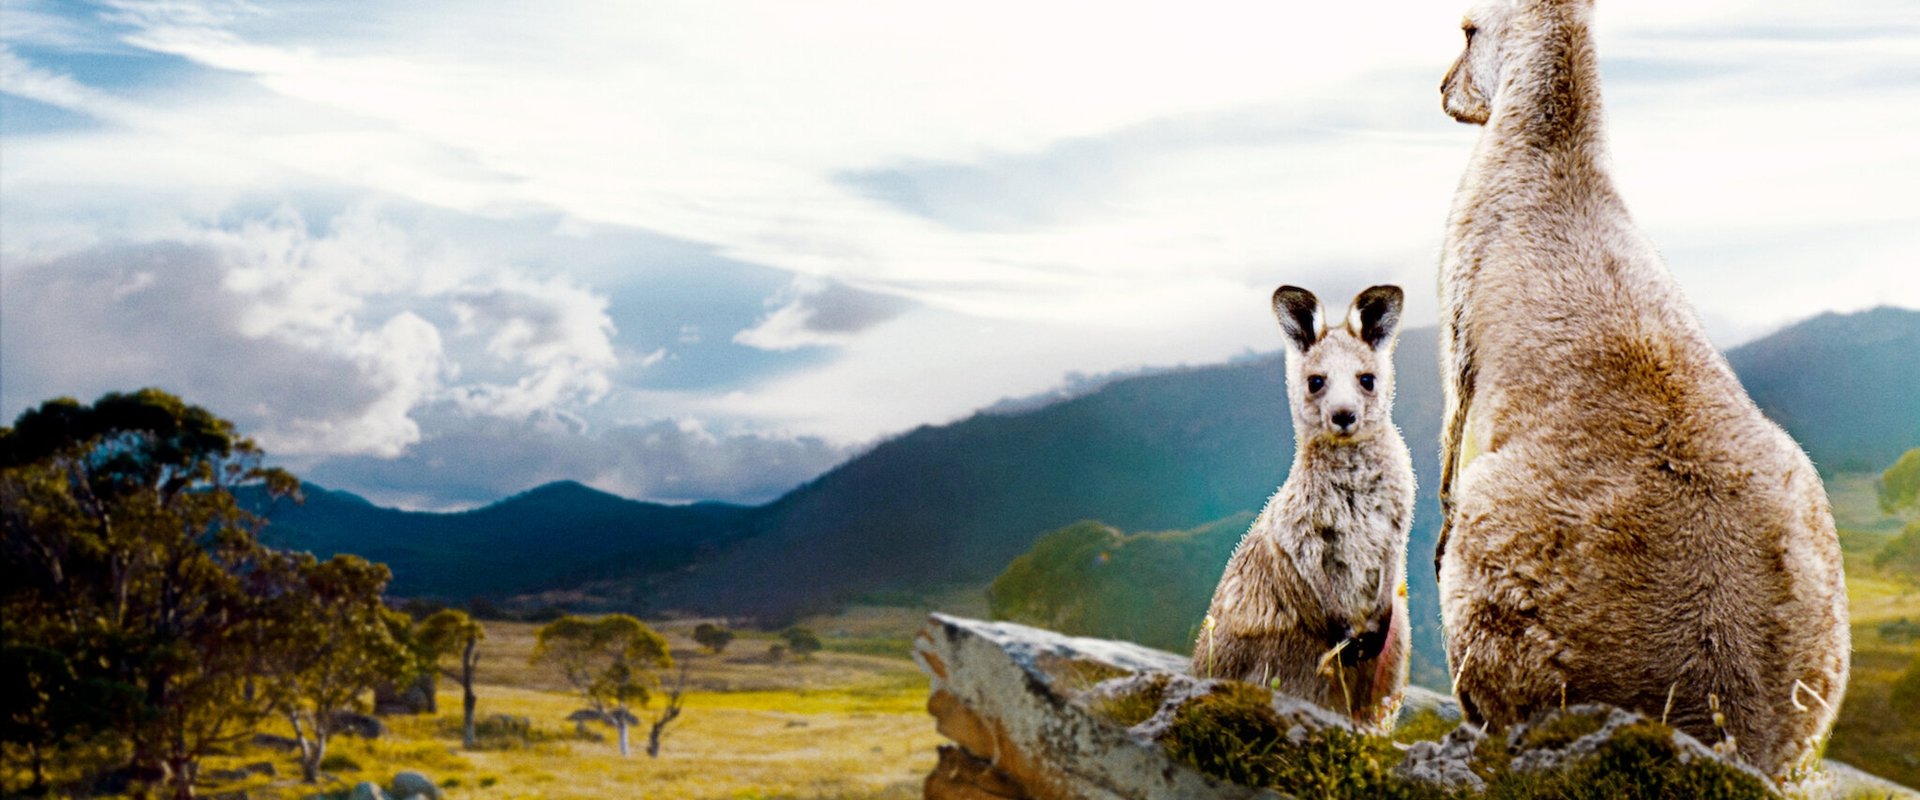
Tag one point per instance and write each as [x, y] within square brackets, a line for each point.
[1620, 523]
[1313, 600]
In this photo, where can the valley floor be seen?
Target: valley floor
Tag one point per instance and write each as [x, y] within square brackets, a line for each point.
[838, 725]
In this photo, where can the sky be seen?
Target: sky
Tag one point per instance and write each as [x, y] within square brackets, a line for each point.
[439, 253]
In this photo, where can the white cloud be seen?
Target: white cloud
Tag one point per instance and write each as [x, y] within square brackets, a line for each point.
[222, 316]
[1042, 188]
[812, 312]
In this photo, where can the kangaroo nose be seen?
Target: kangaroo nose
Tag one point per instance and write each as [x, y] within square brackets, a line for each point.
[1344, 419]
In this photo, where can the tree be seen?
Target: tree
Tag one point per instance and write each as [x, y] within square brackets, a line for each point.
[451, 633]
[612, 662]
[1900, 495]
[127, 553]
[333, 640]
[670, 712]
[1900, 486]
[713, 637]
[801, 642]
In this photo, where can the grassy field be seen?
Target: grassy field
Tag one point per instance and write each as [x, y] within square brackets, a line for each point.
[838, 725]
[1874, 733]
[851, 721]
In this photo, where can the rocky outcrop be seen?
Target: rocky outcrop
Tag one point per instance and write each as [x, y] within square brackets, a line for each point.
[414, 698]
[1036, 714]
[414, 784]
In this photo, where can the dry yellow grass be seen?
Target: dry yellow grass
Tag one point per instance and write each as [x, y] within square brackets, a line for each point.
[838, 725]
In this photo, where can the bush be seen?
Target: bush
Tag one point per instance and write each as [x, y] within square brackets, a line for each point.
[1902, 555]
[713, 637]
[1906, 692]
[801, 642]
[339, 762]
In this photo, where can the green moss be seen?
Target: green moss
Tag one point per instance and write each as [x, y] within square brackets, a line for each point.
[1074, 675]
[1639, 761]
[1131, 705]
[1235, 735]
[1423, 726]
[1560, 730]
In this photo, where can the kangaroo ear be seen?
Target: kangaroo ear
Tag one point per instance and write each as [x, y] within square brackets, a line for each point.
[1299, 313]
[1375, 315]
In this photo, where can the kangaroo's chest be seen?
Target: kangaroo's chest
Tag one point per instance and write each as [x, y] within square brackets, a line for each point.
[1342, 538]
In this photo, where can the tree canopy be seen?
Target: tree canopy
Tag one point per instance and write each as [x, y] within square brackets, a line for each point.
[139, 608]
[613, 662]
[1900, 485]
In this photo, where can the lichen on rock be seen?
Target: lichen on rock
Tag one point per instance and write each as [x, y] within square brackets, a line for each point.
[1036, 714]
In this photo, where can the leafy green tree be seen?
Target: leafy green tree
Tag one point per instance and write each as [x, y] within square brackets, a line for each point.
[127, 552]
[1900, 495]
[47, 708]
[1900, 486]
[801, 642]
[713, 637]
[333, 640]
[450, 633]
[613, 662]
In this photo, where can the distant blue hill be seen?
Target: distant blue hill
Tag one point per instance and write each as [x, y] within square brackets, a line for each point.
[556, 536]
[954, 504]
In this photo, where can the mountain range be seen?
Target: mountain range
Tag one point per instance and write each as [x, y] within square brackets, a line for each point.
[952, 505]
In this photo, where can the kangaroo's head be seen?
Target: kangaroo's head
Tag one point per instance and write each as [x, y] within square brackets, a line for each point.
[1496, 31]
[1467, 91]
[1340, 379]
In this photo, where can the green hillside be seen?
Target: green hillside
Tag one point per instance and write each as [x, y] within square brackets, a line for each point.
[556, 536]
[1089, 579]
[953, 505]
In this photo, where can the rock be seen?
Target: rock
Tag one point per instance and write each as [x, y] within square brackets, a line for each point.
[1448, 762]
[1036, 714]
[353, 723]
[1001, 693]
[366, 790]
[1845, 781]
[414, 784]
[1541, 745]
[1419, 699]
[415, 698]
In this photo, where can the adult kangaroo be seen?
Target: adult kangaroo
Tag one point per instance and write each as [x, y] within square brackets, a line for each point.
[1619, 521]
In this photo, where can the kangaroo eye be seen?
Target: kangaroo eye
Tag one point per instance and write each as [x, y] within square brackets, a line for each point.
[1315, 383]
[1366, 381]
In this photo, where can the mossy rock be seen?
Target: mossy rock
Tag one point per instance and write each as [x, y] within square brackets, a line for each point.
[1247, 735]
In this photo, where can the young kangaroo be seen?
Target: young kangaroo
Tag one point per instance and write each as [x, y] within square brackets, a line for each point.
[1312, 600]
[1620, 523]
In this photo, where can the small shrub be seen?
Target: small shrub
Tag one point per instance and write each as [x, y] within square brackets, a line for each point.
[801, 641]
[495, 732]
[450, 783]
[713, 637]
[1900, 631]
[1906, 691]
[339, 762]
[487, 781]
